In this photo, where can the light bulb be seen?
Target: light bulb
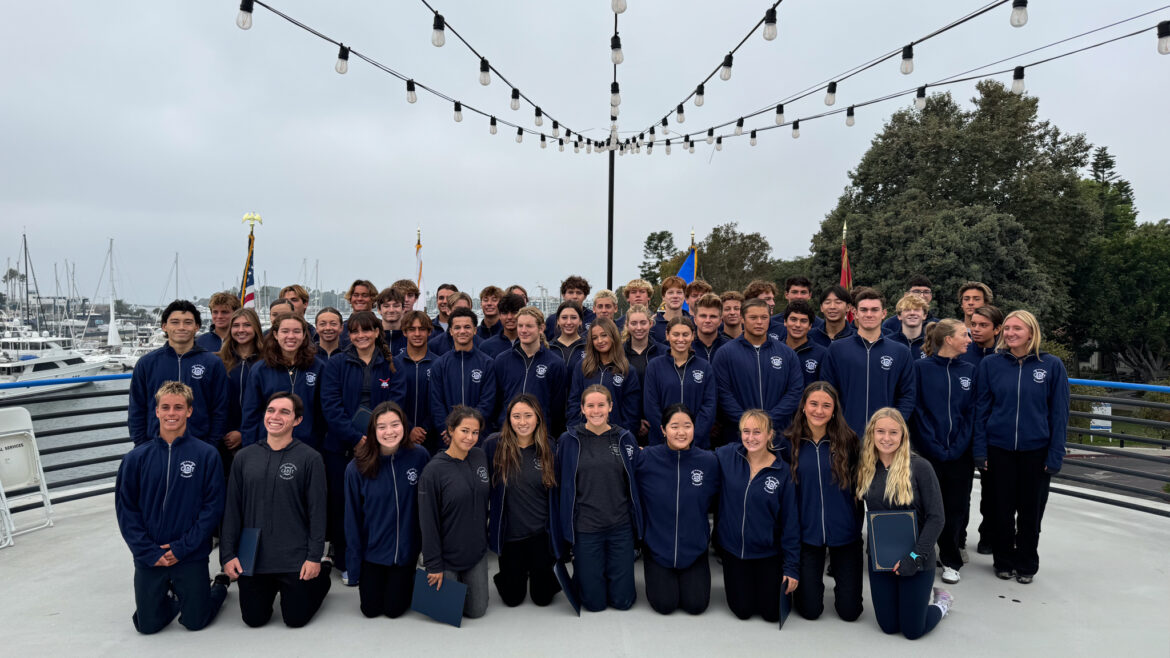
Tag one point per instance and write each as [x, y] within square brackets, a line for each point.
[411, 96]
[691, 147]
[458, 111]
[1164, 38]
[725, 70]
[619, 6]
[1018, 80]
[543, 142]
[615, 50]
[614, 110]
[907, 60]
[539, 117]
[615, 96]
[652, 133]
[649, 148]
[557, 130]
[664, 126]
[849, 120]
[753, 138]
[1019, 13]
[780, 114]
[770, 24]
[831, 94]
[679, 117]
[485, 72]
[244, 18]
[519, 135]
[515, 104]
[719, 144]
[739, 127]
[710, 135]
[577, 146]
[796, 129]
[589, 146]
[668, 147]
[342, 64]
[492, 126]
[561, 145]
[920, 98]
[439, 33]
[699, 96]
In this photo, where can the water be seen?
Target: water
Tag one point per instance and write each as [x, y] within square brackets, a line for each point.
[43, 443]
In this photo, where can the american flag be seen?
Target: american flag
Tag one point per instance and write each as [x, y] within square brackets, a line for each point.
[248, 287]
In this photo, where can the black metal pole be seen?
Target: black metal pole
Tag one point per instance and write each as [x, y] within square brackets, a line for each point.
[609, 261]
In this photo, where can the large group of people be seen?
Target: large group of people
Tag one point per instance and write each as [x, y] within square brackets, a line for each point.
[371, 444]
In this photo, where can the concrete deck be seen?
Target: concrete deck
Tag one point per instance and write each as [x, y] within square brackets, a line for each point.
[1102, 589]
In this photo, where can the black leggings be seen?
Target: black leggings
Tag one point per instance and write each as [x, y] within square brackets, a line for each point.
[299, 599]
[954, 482]
[527, 564]
[903, 603]
[335, 463]
[669, 589]
[848, 564]
[753, 586]
[386, 589]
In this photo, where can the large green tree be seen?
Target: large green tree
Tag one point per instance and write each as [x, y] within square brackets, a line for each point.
[659, 247]
[728, 258]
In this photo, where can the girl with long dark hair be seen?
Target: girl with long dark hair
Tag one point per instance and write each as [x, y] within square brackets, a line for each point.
[289, 364]
[239, 352]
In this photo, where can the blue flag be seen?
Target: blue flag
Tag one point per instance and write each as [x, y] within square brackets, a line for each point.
[687, 271]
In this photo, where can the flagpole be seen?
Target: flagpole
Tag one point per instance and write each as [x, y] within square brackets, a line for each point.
[251, 219]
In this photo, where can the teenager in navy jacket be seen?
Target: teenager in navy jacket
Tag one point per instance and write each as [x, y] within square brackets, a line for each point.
[1021, 416]
[522, 509]
[941, 430]
[184, 361]
[680, 377]
[415, 363]
[677, 483]
[464, 376]
[381, 513]
[288, 364]
[169, 499]
[824, 464]
[798, 319]
[600, 511]
[756, 372]
[569, 342]
[758, 531]
[239, 354]
[836, 303]
[529, 367]
[605, 364]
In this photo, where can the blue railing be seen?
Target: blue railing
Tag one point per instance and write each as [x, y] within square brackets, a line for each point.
[1121, 386]
[66, 380]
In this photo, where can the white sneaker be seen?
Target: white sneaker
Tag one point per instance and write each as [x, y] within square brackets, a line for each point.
[950, 576]
[943, 600]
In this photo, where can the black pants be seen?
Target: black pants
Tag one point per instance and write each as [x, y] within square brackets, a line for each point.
[196, 603]
[903, 603]
[986, 495]
[669, 589]
[299, 599]
[527, 564]
[386, 589]
[848, 565]
[753, 586]
[1021, 492]
[954, 481]
[335, 463]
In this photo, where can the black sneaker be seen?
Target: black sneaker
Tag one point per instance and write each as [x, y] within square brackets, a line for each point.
[983, 548]
[1004, 575]
[222, 578]
[1024, 580]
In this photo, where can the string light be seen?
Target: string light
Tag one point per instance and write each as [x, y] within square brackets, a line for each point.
[411, 96]
[831, 94]
[780, 114]
[649, 148]
[1018, 80]
[725, 70]
[458, 111]
[907, 60]
[664, 126]
[770, 24]
[519, 135]
[614, 110]
[691, 146]
[753, 138]
[920, 98]
[543, 141]
[1019, 13]
[577, 146]
[668, 147]
[796, 129]
[849, 120]
[588, 146]
[515, 104]
[615, 95]
[492, 126]
[719, 144]
[679, 116]
[710, 135]
[439, 33]
[1164, 38]
[485, 72]
[244, 18]
[615, 50]
[699, 96]
[619, 6]
[739, 127]
[556, 131]
[539, 120]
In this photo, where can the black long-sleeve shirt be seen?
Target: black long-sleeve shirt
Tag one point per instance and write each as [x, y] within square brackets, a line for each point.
[927, 503]
[281, 492]
[452, 509]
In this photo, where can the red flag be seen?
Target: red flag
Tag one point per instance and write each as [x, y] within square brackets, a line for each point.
[846, 270]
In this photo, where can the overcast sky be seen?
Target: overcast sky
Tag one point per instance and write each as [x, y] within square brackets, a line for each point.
[160, 124]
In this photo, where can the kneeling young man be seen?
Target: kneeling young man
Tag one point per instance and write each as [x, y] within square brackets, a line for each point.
[169, 499]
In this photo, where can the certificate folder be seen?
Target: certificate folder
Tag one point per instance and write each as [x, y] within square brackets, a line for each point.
[444, 604]
[567, 586]
[246, 550]
[891, 536]
[785, 605]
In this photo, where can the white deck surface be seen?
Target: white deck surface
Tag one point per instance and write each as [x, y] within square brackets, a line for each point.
[1102, 590]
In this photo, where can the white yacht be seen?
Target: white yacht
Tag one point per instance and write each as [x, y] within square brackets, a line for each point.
[26, 355]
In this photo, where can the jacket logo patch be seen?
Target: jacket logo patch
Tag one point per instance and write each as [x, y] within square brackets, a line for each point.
[617, 452]
[775, 337]
[476, 375]
[922, 355]
[186, 469]
[536, 464]
[965, 383]
[697, 477]
[428, 373]
[629, 451]
[482, 473]
[618, 379]
[777, 362]
[287, 471]
[697, 375]
[810, 365]
[197, 371]
[771, 484]
[887, 362]
[541, 370]
[412, 475]
[310, 378]
[385, 383]
[1039, 375]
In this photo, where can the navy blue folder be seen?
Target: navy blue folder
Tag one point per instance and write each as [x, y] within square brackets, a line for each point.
[567, 587]
[891, 536]
[444, 604]
[246, 550]
[785, 605]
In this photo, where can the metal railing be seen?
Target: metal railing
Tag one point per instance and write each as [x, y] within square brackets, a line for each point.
[1081, 478]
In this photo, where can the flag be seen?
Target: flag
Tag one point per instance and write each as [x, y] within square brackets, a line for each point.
[689, 267]
[420, 304]
[248, 285]
[846, 271]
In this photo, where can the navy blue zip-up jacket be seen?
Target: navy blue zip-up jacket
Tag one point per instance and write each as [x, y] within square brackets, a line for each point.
[381, 513]
[915, 345]
[1021, 404]
[708, 353]
[893, 324]
[757, 516]
[829, 515]
[567, 458]
[869, 376]
[776, 329]
[342, 394]
[571, 354]
[658, 326]
[266, 380]
[499, 498]
[169, 494]
[767, 377]
[941, 427]
[676, 488]
[975, 354]
[550, 324]
[625, 389]
[543, 376]
[395, 339]
[237, 384]
[694, 387]
[201, 370]
[496, 345]
[467, 378]
[209, 341]
[443, 343]
[811, 356]
[818, 335]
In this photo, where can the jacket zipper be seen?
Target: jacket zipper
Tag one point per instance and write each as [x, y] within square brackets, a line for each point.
[167, 491]
[867, 349]
[573, 512]
[462, 380]
[677, 486]
[950, 417]
[743, 521]
[397, 510]
[821, 491]
[1019, 378]
[760, 377]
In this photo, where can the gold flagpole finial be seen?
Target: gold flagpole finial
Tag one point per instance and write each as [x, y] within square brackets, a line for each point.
[252, 219]
[692, 236]
[844, 229]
